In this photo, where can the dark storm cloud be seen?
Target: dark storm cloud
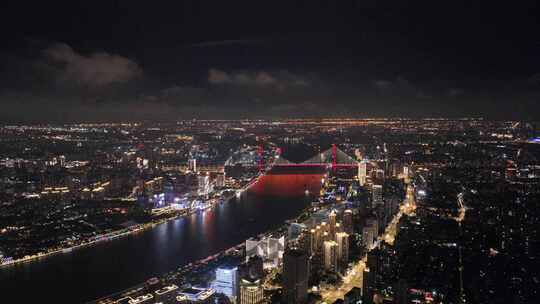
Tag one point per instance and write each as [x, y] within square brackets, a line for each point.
[95, 69]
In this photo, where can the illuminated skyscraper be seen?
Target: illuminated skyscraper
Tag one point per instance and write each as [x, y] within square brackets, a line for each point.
[204, 185]
[330, 255]
[377, 195]
[362, 172]
[227, 281]
[192, 165]
[270, 249]
[251, 292]
[342, 239]
[367, 236]
[332, 224]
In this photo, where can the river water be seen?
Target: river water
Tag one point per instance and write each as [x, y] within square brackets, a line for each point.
[90, 273]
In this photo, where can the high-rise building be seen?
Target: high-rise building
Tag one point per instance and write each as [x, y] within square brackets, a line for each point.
[348, 221]
[369, 233]
[366, 237]
[330, 255]
[377, 195]
[227, 281]
[342, 239]
[295, 276]
[332, 224]
[270, 249]
[204, 184]
[251, 292]
[192, 165]
[362, 172]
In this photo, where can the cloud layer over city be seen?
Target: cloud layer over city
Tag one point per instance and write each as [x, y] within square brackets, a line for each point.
[336, 62]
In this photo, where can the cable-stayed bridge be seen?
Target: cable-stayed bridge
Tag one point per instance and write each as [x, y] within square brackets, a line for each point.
[330, 158]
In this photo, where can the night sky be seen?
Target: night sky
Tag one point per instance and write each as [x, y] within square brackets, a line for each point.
[120, 60]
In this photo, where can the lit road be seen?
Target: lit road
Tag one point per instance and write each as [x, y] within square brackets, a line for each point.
[459, 219]
[462, 208]
[354, 276]
[408, 207]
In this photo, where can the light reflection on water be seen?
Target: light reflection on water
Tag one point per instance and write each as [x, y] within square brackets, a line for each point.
[112, 266]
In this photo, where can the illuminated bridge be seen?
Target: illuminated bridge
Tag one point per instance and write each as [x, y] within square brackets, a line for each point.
[286, 178]
[331, 158]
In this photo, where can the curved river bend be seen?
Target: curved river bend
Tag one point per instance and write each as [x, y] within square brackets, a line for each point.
[90, 273]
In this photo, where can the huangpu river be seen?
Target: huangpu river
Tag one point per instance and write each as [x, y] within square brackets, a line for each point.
[90, 273]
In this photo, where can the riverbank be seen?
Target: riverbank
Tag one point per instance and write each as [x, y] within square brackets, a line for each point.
[201, 265]
[110, 236]
[96, 240]
[109, 267]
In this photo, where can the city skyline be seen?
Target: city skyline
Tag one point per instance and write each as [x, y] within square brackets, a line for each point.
[248, 152]
[270, 211]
